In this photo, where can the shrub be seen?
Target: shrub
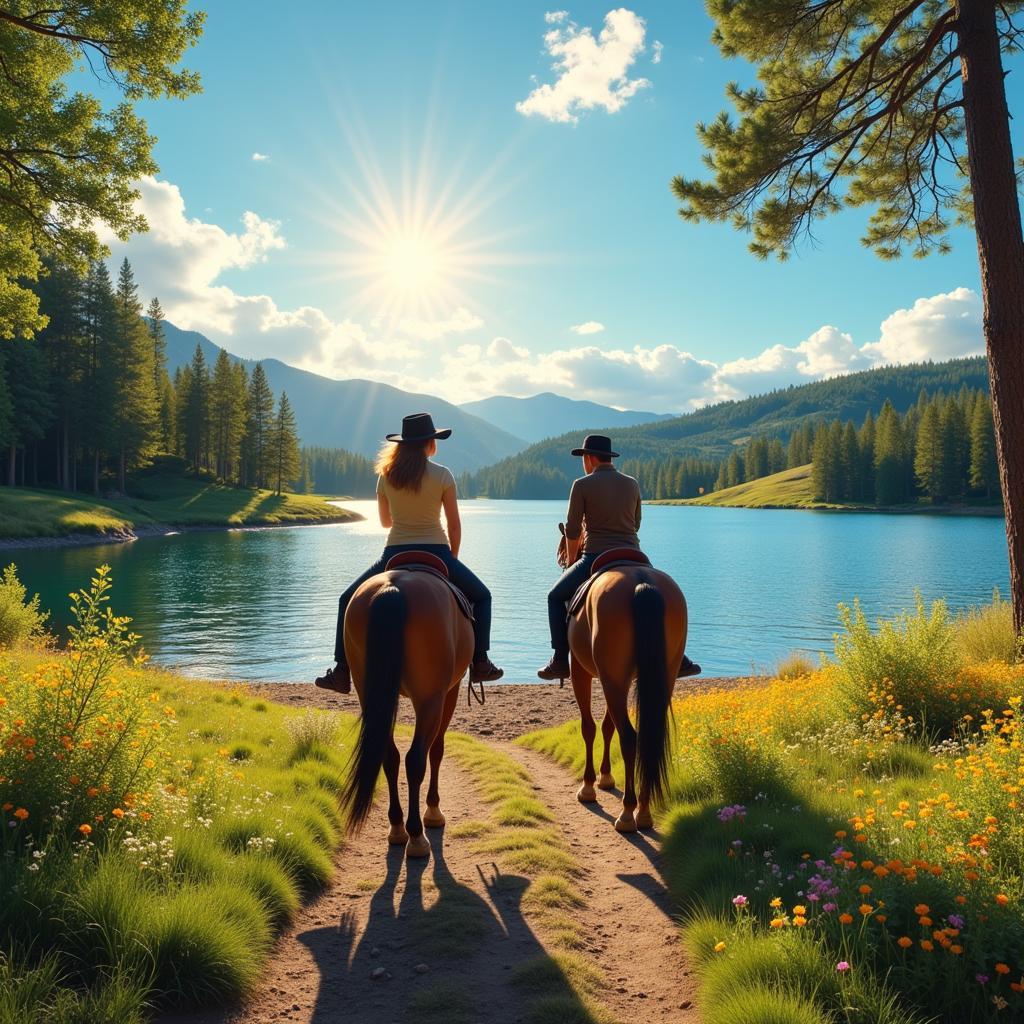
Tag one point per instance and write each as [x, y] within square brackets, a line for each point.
[987, 634]
[742, 768]
[313, 734]
[903, 667]
[21, 621]
[794, 666]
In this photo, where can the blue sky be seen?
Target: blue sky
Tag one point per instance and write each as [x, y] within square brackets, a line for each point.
[560, 223]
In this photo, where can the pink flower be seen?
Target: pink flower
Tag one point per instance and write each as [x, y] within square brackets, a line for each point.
[739, 901]
[842, 966]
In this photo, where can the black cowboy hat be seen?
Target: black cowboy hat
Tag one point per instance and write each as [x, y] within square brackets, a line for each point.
[419, 427]
[596, 444]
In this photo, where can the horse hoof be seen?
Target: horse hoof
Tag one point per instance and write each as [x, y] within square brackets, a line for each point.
[585, 794]
[419, 846]
[625, 822]
[644, 819]
[433, 818]
[606, 781]
[398, 835]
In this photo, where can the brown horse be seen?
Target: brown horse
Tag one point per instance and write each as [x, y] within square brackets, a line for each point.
[632, 626]
[404, 634]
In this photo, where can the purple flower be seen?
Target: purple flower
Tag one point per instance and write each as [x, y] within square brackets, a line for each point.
[739, 901]
[955, 921]
[842, 966]
[829, 907]
[813, 897]
[981, 979]
[737, 843]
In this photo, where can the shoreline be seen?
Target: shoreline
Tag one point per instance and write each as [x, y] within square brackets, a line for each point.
[987, 511]
[145, 530]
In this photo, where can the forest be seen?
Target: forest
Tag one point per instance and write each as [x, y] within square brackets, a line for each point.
[90, 399]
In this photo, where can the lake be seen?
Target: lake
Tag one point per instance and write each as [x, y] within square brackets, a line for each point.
[261, 605]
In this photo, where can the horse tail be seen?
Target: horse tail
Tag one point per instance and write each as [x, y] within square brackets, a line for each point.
[385, 651]
[652, 693]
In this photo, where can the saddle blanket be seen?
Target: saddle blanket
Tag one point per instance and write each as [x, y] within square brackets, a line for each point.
[601, 566]
[460, 598]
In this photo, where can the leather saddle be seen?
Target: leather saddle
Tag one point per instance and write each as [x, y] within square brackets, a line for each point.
[424, 561]
[616, 558]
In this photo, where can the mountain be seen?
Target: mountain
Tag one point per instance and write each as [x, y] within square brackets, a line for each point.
[548, 415]
[545, 469]
[356, 414]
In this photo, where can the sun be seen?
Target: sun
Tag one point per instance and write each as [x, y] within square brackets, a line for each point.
[413, 264]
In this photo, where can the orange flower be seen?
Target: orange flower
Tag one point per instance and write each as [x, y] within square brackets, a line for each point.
[925, 922]
[956, 949]
[927, 945]
[846, 919]
[1002, 899]
[864, 890]
[777, 922]
[21, 814]
[85, 829]
[8, 807]
[117, 812]
[1002, 969]
[921, 908]
[865, 909]
[905, 942]
[800, 911]
[799, 921]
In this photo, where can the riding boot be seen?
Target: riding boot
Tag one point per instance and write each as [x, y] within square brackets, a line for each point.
[556, 668]
[338, 679]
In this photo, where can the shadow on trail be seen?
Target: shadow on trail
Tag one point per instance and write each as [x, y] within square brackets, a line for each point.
[441, 950]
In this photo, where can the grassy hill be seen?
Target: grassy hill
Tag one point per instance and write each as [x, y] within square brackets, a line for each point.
[792, 488]
[162, 495]
[545, 469]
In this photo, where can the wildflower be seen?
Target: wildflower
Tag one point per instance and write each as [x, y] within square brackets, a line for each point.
[927, 945]
[864, 890]
[117, 812]
[905, 942]
[846, 919]
[719, 947]
[865, 909]
[843, 966]
[1002, 899]
[800, 911]
[956, 949]
[777, 922]
[1002, 969]
[8, 807]
[921, 908]
[776, 903]
[739, 901]
[955, 921]
[799, 921]
[925, 922]
[981, 979]
[21, 814]
[85, 829]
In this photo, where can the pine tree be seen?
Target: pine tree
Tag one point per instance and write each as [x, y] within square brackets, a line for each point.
[196, 413]
[984, 468]
[890, 458]
[823, 464]
[866, 441]
[776, 456]
[28, 390]
[260, 417]
[227, 417]
[955, 449]
[284, 446]
[851, 464]
[161, 378]
[928, 453]
[98, 394]
[136, 413]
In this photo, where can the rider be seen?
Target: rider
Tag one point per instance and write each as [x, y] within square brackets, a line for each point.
[604, 513]
[411, 491]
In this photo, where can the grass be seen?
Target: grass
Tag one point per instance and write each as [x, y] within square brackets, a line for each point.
[157, 832]
[558, 986]
[792, 488]
[851, 856]
[162, 495]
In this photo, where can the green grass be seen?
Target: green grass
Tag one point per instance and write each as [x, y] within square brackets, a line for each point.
[161, 495]
[179, 905]
[792, 488]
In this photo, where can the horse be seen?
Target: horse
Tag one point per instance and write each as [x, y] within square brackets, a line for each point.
[631, 626]
[405, 635]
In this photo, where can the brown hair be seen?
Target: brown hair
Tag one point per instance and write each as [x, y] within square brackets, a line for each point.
[403, 464]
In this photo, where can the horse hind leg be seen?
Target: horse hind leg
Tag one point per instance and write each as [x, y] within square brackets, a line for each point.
[617, 705]
[432, 816]
[397, 836]
[428, 719]
[606, 780]
[581, 688]
[644, 818]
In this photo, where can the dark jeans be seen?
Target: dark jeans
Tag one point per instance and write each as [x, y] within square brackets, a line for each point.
[559, 596]
[479, 596]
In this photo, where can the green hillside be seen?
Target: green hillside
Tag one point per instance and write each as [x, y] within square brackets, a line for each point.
[161, 495]
[544, 470]
[792, 488]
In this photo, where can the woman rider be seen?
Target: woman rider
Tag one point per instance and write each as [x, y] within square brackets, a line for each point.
[411, 491]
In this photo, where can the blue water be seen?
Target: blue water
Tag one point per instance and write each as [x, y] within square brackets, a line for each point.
[760, 583]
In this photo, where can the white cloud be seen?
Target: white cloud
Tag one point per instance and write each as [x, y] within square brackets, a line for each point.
[181, 259]
[260, 157]
[555, 17]
[589, 327]
[940, 327]
[591, 72]
[657, 48]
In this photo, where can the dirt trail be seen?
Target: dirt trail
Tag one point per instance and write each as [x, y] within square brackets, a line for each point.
[446, 940]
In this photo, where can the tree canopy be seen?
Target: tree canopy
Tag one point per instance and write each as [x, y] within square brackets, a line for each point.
[65, 161]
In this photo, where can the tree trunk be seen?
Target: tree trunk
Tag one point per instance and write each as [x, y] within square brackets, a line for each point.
[1001, 255]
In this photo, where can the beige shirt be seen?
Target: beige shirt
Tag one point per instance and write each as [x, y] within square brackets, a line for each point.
[608, 503]
[416, 515]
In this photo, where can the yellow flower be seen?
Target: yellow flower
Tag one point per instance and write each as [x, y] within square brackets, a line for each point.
[719, 946]
[799, 921]
[800, 911]
[777, 922]
[776, 903]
